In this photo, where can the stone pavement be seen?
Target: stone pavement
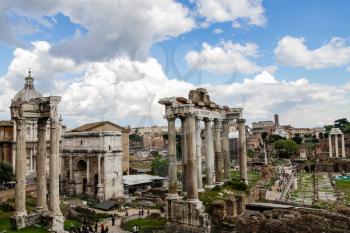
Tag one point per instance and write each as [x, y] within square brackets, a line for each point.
[277, 188]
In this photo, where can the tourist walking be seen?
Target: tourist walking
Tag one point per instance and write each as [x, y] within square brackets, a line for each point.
[96, 226]
[113, 220]
[106, 230]
[102, 228]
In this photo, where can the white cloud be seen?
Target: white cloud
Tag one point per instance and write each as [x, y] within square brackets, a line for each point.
[113, 27]
[292, 51]
[239, 12]
[218, 31]
[127, 92]
[226, 58]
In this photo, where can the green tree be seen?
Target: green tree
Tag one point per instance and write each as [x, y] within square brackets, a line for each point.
[286, 148]
[6, 172]
[159, 166]
[297, 139]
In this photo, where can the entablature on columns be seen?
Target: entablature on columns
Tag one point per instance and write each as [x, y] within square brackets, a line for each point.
[42, 107]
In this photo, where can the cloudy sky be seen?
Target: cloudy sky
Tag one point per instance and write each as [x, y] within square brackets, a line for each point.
[114, 59]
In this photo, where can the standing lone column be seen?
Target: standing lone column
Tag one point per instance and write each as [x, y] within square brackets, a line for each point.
[219, 163]
[99, 195]
[41, 166]
[330, 145]
[191, 172]
[199, 154]
[343, 146]
[242, 151]
[209, 168]
[184, 155]
[21, 165]
[172, 158]
[57, 217]
[225, 149]
[336, 146]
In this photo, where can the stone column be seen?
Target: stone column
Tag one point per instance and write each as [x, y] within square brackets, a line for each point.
[21, 167]
[219, 163]
[31, 159]
[209, 168]
[330, 145]
[225, 149]
[14, 148]
[172, 182]
[336, 146]
[88, 176]
[199, 154]
[343, 146]
[100, 195]
[71, 183]
[54, 207]
[242, 151]
[41, 203]
[191, 172]
[70, 168]
[184, 155]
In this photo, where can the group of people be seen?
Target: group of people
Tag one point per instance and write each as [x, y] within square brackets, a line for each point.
[86, 228]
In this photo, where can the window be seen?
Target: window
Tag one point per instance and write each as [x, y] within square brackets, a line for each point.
[109, 147]
[81, 142]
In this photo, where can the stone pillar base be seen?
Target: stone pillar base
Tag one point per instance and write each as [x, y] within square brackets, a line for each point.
[100, 196]
[209, 186]
[219, 184]
[18, 222]
[187, 216]
[41, 209]
[183, 228]
[56, 222]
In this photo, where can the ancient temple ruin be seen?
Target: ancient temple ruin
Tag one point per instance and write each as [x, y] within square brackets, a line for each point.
[186, 213]
[31, 107]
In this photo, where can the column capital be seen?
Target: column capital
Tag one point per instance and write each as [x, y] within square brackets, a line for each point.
[170, 118]
[20, 122]
[241, 120]
[208, 119]
[198, 118]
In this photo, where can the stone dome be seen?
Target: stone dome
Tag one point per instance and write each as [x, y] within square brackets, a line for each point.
[28, 92]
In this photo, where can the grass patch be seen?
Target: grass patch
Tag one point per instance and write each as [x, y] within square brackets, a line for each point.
[253, 177]
[144, 223]
[68, 223]
[5, 225]
[344, 186]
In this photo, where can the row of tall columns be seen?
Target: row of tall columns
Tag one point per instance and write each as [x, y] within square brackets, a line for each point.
[217, 154]
[20, 188]
[336, 145]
